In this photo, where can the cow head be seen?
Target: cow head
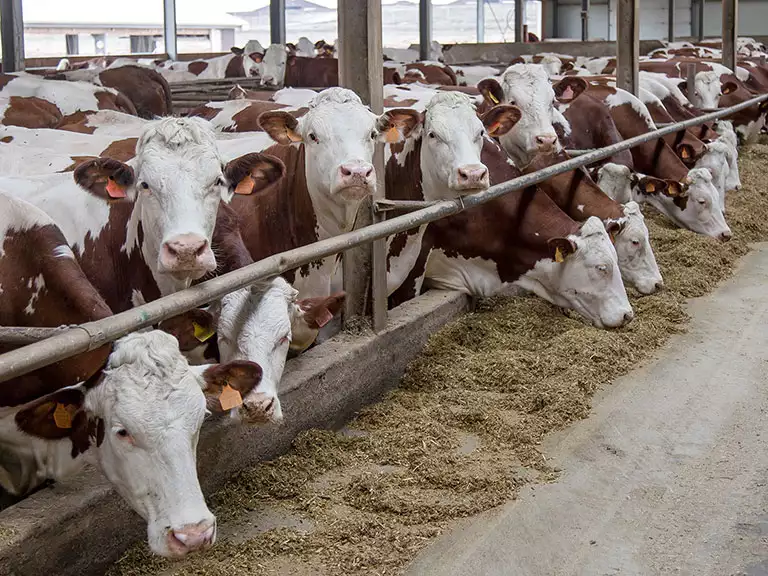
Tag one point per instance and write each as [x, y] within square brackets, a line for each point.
[693, 204]
[728, 136]
[452, 139]
[142, 418]
[177, 180]
[273, 65]
[339, 134]
[708, 89]
[637, 261]
[715, 159]
[527, 86]
[623, 185]
[583, 275]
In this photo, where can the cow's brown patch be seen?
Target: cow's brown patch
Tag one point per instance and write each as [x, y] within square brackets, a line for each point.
[31, 112]
[122, 150]
[4, 79]
[147, 90]
[197, 67]
[76, 161]
[6, 139]
[204, 112]
[235, 68]
[77, 122]
[118, 102]
[240, 375]
[394, 102]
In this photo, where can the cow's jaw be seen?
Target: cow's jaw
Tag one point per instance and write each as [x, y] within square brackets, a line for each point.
[150, 393]
[637, 261]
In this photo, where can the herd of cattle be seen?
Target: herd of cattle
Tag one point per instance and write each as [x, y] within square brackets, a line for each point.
[107, 202]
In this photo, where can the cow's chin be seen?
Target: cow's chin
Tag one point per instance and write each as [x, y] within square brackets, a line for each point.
[354, 192]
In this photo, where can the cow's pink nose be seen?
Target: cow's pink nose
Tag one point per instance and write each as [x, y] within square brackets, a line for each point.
[186, 251]
[356, 174]
[725, 236]
[192, 537]
[546, 141]
[472, 176]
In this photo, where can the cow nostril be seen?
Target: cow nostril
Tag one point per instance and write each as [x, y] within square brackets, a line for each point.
[725, 236]
[171, 250]
[659, 286]
[203, 247]
[369, 172]
[345, 171]
[628, 317]
[463, 174]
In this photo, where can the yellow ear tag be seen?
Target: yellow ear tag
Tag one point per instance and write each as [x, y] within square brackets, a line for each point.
[392, 136]
[650, 187]
[202, 333]
[493, 98]
[230, 398]
[62, 417]
[684, 153]
[558, 255]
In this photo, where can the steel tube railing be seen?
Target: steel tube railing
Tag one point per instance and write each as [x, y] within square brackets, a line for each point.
[95, 334]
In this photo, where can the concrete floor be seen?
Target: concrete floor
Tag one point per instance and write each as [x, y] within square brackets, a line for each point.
[669, 474]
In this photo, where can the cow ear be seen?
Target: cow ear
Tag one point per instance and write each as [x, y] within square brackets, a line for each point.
[569, 88]
[237, 51]
[396, 125]
[238, 93]
[191, 329]
[317, 312]
[253, 172]
[686, 152]
[491, 91]
[650, 185]
[256, 57]
[281, 127]
[106, 178]
[678, 191]
[729, 87]
[225, 385]
[54, 416]
[614, 228]
[561, 248]
[501, 119]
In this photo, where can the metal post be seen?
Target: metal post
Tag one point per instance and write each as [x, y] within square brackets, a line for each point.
[730, 32]
[556, 18]
[584, 20]
[480, 21]
[671, 21]
[701, 20]
[361, 69]
[169, 29]
[627, 45]
[690, 80]
[425, 28]
[277, 21]
[12, 32]
[519, 20]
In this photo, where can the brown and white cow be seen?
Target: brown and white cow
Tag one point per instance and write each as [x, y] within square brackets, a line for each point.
[234, 65]
[134, 408]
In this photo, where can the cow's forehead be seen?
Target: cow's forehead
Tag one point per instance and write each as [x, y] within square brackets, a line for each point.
[332, 117]
[527, 80]
[450, 108]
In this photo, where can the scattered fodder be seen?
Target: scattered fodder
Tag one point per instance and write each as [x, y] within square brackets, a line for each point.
[461, 434]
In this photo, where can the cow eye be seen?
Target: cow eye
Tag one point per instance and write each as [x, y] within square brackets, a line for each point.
[144, 186]
[374, 135]
[313, 137]
[702, 202]
[220, 181]
[432, 135]
[123, 433]
[635, 242]
[602, 268]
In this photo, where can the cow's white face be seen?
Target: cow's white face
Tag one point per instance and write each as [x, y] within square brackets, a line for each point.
[728, 135]
[527, 86]
[339, 134]
[707, 90]
[272, 68]
[587, 279]
[152, 406]
[255, 324]
[715, 159]
[697, 209]
[637, 261]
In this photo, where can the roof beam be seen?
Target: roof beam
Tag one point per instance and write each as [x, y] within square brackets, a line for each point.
[12, 33]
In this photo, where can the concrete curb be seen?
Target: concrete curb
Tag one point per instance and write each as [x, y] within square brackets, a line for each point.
[80, 527]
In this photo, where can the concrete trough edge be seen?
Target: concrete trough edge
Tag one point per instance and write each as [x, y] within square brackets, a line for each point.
[79, 527]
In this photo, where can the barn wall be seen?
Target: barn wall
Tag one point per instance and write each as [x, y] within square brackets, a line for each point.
[753, 18]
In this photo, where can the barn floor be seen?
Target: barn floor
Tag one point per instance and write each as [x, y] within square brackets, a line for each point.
[668, 475]
[516, 401]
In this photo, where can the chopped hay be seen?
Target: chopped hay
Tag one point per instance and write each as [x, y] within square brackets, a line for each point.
[504, 376]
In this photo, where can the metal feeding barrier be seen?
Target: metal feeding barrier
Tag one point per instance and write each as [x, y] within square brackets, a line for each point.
[67, 342]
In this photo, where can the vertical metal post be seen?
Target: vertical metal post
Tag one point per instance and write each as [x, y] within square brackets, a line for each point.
[730, 32]
[584, 20]
[627, 45]
[480, 21]
[690, 80]
[361, 69]
[519, 20]
[12, 32]
[556, 19]
[425, 28]
[169, 29]
[701, 20]
[671, 21]
[277, 21]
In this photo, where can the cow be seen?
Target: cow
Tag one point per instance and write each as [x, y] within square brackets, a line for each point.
[238, 64]
[135, 407]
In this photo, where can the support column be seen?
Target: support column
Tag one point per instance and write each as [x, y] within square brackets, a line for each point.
[671, 21]
[519, 20]
[12, 32]
[627, 45]
[730, 32]
[480, 21]
[700, 33]
[169, 29]
[277, 21]
[425, 28]
[361, 70]
[584, 20]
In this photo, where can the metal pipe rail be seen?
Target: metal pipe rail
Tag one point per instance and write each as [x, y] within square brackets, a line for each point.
[92, 335]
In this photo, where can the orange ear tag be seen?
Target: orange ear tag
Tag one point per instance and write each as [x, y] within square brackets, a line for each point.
[684, 153]
[230, 398]
[650, 187]
[392, 136]
[114, 189]
[325, 317]
[62, 417]
[495, 126]
[245, 186]
[202, 333]
[558, 255]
